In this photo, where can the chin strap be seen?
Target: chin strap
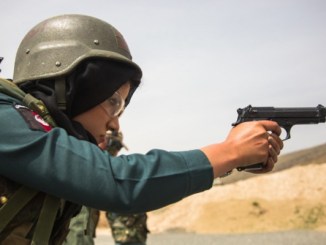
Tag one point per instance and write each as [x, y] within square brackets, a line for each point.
[60, 91]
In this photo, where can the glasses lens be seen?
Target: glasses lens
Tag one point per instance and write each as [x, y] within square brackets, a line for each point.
[114, 105]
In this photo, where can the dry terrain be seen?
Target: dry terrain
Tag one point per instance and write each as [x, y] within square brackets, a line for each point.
[292, 197]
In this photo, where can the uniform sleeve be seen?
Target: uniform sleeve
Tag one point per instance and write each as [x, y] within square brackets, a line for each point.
[78, 171]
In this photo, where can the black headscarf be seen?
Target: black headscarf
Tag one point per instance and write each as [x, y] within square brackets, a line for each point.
[95, 81]
[89, 84]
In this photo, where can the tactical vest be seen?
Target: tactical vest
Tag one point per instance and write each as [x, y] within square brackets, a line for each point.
[29, 216]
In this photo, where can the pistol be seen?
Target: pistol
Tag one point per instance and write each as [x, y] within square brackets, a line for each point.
[286, 117]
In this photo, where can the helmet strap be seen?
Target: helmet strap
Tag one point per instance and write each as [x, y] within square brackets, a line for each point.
[60, 91]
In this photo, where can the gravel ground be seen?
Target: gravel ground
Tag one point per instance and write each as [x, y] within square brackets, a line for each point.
[279, 238]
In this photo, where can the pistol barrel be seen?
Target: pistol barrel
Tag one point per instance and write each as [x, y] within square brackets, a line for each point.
[286, 115]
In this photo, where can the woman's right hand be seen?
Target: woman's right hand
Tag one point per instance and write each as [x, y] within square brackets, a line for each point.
[248, 143]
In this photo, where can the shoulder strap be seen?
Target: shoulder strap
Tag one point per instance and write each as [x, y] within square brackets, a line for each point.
[38, 106]
[11, 89]
[46, 220]
[12, 207]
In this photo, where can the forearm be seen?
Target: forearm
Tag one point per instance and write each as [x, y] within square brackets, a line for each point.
[224, 161]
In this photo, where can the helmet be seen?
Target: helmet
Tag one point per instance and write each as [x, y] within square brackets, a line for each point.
[57, 45]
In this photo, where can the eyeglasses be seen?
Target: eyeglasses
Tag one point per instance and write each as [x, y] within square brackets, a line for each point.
[114, 106]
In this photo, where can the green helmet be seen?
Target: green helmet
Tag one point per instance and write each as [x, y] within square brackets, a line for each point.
[57, 45]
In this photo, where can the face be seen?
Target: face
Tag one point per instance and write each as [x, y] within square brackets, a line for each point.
[102, 118]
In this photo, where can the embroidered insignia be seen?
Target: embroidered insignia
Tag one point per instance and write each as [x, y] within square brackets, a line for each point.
[33, 120]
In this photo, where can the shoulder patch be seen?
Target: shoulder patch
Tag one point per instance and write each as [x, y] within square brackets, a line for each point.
[33, 120]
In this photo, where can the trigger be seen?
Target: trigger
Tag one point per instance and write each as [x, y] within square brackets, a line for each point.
[288, 134]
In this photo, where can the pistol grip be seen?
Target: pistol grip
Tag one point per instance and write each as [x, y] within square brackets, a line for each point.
[253, 167]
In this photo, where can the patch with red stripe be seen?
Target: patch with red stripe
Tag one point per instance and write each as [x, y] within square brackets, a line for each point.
[33, 119]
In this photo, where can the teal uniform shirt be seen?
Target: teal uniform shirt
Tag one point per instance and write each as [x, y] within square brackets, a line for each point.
[78, 171]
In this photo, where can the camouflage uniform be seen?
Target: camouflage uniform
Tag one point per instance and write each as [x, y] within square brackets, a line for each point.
[82, 227]
[126, 228]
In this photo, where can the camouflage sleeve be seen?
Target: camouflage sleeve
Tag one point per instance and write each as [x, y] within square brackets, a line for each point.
[82, 227]
[128, 228]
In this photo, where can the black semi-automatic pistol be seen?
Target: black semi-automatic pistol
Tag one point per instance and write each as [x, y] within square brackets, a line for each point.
[286, 117]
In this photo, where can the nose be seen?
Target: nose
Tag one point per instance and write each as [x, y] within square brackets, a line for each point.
[113, 124]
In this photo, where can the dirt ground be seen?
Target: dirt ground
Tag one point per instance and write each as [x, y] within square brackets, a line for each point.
[286, 200]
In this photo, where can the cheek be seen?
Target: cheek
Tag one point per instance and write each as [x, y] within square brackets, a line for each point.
[94, 122]
[93, 126]
[97, 126]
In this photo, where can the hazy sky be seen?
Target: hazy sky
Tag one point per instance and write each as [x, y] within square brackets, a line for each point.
[201, 61]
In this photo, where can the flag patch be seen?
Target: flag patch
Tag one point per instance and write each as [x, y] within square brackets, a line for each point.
[33, 120]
